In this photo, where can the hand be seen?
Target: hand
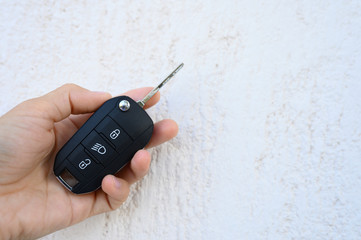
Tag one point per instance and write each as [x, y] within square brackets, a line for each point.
[33, 202]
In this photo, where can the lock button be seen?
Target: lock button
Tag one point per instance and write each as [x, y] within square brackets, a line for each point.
[84, 163]
[99, 148]
[115, 134]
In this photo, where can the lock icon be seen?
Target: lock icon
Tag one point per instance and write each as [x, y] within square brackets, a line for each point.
[113, 135]
[84, 164]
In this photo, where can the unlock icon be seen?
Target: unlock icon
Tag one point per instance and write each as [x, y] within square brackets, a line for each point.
[84, 164]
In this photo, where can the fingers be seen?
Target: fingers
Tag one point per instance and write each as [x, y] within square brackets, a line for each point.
[113, 193]
[137, 168]
[70, 98]
[163, 131]
[139, 165]
[117, 190]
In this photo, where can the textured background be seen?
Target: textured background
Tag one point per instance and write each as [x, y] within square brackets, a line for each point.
[268, 106]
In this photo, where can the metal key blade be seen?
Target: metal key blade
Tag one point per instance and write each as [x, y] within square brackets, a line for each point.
[156, 89]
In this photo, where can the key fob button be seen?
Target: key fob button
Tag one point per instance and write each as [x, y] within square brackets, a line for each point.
[99, 148]
[84, 163]
[115, 134]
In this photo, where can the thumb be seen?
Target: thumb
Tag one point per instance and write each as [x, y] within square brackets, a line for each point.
[71, 99]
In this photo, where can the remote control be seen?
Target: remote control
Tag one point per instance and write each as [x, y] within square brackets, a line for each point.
[106, 142]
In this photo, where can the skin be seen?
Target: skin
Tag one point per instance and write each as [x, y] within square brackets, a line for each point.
[33, 202]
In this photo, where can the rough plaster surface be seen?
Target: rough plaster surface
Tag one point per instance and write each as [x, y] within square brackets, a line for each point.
[268, 106]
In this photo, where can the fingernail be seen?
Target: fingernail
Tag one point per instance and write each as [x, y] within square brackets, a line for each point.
[117, 183]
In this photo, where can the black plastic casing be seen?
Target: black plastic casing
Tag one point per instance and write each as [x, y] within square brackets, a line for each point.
[137, 127]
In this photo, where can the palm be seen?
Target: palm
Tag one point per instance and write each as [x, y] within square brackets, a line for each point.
[49, 203]
[29, 141]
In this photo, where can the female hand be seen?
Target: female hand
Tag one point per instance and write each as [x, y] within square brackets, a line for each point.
[33, 202]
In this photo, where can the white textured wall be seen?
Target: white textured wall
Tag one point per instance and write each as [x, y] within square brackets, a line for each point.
[268, 105]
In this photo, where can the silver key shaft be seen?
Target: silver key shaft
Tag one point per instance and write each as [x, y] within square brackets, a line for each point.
[156, 89]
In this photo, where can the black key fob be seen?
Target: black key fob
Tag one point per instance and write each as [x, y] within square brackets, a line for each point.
[105, 143]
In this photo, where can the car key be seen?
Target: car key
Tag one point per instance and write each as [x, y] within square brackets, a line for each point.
[106, 142]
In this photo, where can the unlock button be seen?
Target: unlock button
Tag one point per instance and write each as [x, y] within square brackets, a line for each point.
[84, 163]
